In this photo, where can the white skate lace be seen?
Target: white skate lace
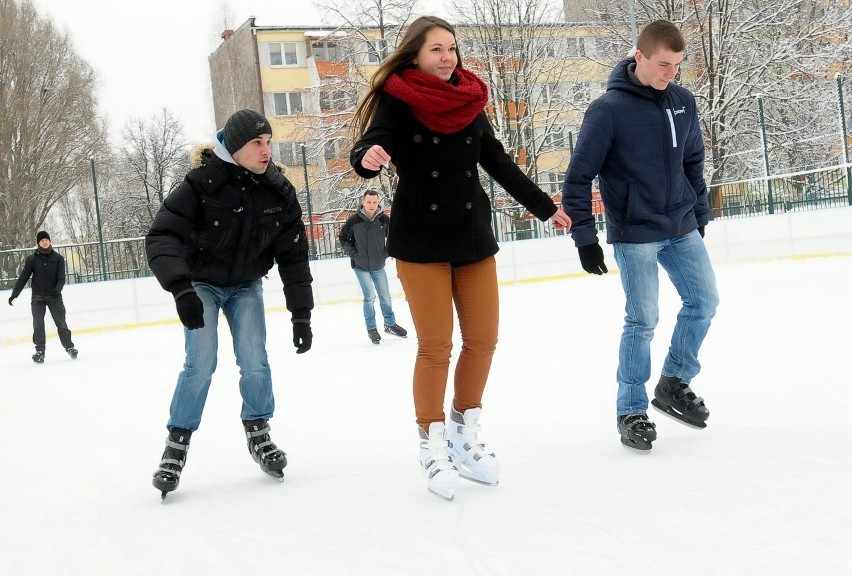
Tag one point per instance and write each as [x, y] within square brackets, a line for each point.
[438, 459]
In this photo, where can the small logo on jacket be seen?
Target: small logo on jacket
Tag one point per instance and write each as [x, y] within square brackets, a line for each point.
[681, 110]
[273, 210]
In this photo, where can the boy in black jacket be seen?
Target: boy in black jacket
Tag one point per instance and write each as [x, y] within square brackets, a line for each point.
[47, 269]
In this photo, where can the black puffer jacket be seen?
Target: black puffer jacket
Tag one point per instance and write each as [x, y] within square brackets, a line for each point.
[440, 212]
[365, 240]
[225, 226]
[48, 273]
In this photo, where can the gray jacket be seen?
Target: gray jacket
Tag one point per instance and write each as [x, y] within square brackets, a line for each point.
[365, 240]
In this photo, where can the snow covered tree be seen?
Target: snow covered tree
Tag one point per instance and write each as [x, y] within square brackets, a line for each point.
[48, 123]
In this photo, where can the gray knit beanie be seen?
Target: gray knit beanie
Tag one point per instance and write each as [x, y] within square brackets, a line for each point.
[242, 127]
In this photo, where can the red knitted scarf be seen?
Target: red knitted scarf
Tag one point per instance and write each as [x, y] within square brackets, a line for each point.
[440, 106]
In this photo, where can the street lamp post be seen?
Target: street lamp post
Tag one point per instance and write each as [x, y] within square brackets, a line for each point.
[98, 217]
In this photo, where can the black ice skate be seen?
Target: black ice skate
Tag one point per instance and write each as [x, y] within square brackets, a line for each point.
[374, 336]
[396, 330]
[167, 477]
[637, 432]
[72, 352]
[263, 449]
[38, 357]
[674, 398]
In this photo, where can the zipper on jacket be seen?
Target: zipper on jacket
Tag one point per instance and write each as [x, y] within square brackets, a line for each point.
[672, 126]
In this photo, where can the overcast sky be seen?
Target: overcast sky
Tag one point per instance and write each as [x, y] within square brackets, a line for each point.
[153, 54]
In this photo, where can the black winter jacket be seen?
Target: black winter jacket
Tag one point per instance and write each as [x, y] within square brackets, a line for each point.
[646, 145]
[365, 240]
[48, 273]
[225, 226]
[440, 213]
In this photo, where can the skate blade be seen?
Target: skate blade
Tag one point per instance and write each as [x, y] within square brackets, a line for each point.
[482, 481]
[677, 417]
[448, 498]
[636, 449]
[279, 476]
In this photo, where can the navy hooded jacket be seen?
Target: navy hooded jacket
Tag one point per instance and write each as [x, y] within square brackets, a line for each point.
[646, 147]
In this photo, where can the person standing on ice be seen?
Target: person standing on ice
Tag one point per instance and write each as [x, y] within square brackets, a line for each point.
[424, 113]
[47, 269]
[215, 236]
[364, 239]
[643, 140]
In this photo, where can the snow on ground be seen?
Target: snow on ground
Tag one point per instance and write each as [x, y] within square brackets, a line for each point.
[763, 490]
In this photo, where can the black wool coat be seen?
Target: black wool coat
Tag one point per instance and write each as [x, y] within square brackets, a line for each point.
[440, 212]
[225, 226]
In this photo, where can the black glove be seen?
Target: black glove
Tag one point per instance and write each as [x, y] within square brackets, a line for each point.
[10, 300]
[302, 335]
[701, 231]
[190, 310]
[592, 259]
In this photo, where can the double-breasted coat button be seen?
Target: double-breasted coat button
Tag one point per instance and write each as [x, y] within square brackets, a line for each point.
[435, 174]
[215, 223]
[210, 181]
[433, 207]
[418, 138]
[468, 173]
[469, 205]
[468, 140]
[436, 140]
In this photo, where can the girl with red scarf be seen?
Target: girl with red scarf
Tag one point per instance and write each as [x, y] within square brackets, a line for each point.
[424, 113]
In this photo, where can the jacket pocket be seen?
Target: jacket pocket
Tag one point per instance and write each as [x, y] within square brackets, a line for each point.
[220, 225]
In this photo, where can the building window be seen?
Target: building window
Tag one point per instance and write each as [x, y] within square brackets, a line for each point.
[287, 103]
[336, 100]
[327, 51]
[290, 153]
[376, 51]
[575, 48]
[554, 139]
[550, 93]
[282, 54]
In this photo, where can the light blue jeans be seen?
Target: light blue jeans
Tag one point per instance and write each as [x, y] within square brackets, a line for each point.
[243, 309]
[686, 261]
[373, 283]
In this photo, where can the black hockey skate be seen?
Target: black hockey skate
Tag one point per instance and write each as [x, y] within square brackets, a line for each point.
[674, 398]
[167, 477]
[271, 459]
[38, 357]
[396, 330]
[637, 432]
[374, 336]
[72, 352]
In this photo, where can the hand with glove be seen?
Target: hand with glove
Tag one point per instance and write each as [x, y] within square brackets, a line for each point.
[10, 300]
[190, 310]
[592, 259]
[302, 335]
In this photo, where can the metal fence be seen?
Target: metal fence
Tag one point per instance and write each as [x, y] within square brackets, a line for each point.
[812, 190]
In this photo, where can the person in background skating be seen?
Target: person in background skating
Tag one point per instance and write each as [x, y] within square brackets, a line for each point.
[425, 113]
[215, 236]
[47, 269]
[364, 239]
[642, 138]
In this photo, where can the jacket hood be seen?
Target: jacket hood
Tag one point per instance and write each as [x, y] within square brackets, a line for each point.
[217, 148]
[620, 79]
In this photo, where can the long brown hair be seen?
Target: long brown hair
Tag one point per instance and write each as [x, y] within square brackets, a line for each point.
[401, 58]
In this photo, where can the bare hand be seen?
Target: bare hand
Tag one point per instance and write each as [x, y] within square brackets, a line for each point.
[560, 220]
[375, 158]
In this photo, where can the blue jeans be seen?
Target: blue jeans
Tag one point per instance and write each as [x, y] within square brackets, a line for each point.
[372, 283]
[686, 261]
[243, 309]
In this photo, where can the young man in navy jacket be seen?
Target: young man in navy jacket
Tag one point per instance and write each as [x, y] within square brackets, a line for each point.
[643, 141]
